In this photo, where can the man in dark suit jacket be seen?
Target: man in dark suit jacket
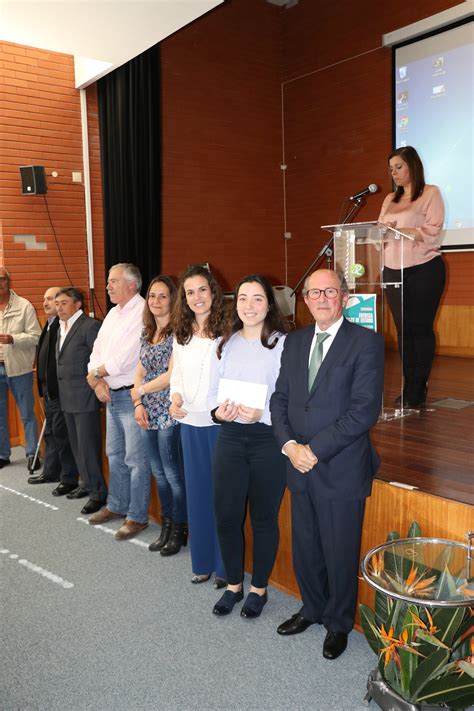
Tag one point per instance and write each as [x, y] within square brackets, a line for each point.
[59, 464]
[78, 402]
[328, 395]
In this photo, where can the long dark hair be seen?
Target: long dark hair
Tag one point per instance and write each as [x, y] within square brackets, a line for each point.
[417, 173]
[274, 322]
[182, 318]
[149, 322]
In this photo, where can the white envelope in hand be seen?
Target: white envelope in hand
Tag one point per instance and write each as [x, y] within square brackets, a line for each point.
[242, 393]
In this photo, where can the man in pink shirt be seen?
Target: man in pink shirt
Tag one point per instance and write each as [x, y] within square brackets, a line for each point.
[112, 366]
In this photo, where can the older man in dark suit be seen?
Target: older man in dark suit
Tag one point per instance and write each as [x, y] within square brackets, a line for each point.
[59, 463]
[327, 397]
[78, 402]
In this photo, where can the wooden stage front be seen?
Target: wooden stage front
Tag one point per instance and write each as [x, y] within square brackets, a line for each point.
[432, 451]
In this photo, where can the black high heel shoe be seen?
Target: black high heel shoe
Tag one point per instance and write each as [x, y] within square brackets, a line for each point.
[164, 535]
[178, 538]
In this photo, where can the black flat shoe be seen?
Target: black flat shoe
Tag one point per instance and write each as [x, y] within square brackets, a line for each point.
[295, 625]
[92, 506]
[334, 645]
[4, 463]
[77, 493]
[41, 479]
[254, 605]
[29, 464]
[225, 605]
[219, 583]
[63, 489]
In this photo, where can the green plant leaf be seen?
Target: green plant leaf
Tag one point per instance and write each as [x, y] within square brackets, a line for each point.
[466, 667]
[396, 616]
[396, 585]
[393, 536]
[392, 677]
[449, 620]
[444, 558]
[369, 627]
[431, 639]
[462, 651]
[383, 606]
[445, 690]
[464, 634]
[447, 586]
[427, 670]
[408, 660]
[414, 531]
[381, 666]
[408, 665]
[463, 703]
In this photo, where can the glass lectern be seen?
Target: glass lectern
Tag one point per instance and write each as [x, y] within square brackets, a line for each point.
[359, 250]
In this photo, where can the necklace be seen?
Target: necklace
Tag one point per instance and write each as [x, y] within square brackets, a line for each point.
[190, 400]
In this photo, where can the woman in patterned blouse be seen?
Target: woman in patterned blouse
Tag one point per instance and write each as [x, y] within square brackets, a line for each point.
[151, 397]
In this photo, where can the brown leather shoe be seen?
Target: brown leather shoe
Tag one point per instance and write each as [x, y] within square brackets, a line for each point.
[129, 529]
[104, 515]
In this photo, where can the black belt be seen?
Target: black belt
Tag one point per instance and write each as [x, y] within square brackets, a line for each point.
[124, 387]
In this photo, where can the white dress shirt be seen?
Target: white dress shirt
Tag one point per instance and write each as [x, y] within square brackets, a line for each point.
[65, 326]
[332, 330]
[117, 346]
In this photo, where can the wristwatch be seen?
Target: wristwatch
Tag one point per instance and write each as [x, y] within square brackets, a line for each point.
[141, 390]
[96, 373]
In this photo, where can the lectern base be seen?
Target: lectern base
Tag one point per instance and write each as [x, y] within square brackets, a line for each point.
[396, 413]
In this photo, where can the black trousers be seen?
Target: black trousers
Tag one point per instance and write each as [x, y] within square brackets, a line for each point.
[326, 547]
[85, 435]
[59, 461]
[423, 287]
[248, 465]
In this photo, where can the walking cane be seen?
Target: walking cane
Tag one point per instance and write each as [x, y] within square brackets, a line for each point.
[35, 458]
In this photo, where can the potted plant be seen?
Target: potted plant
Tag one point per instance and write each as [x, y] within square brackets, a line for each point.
[425, 657]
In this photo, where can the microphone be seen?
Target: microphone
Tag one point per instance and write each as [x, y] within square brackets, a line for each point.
[372, 188]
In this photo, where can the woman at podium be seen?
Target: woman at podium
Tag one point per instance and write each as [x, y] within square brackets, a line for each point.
[417, 210]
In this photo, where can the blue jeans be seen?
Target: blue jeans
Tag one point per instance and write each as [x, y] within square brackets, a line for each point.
[22, 390]
[129, 469]
[163, 447]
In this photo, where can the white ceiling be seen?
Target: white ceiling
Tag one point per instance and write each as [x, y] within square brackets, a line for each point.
[101, 34]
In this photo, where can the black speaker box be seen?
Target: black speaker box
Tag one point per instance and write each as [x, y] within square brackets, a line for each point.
[33, 180]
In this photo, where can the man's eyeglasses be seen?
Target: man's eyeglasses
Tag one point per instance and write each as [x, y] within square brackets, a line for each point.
[329, 293]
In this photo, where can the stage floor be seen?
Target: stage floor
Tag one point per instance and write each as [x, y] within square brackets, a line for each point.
[432, 450]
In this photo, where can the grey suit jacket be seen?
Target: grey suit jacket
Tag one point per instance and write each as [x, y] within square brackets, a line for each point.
[75, 395]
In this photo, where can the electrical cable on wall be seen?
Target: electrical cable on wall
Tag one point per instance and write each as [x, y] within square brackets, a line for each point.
[57, 241]
[62, 258]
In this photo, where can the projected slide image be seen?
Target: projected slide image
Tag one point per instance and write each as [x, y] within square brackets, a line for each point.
[433, 111]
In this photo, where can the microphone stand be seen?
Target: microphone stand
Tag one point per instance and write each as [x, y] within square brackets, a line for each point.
[327, 249]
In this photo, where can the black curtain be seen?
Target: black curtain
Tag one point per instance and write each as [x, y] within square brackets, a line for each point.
[130, 134]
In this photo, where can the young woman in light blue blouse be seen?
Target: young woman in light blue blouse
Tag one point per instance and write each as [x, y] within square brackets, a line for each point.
[151, 397]
[248, 465]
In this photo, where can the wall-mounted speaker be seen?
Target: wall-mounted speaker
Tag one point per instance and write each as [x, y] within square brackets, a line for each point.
[33, 180]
